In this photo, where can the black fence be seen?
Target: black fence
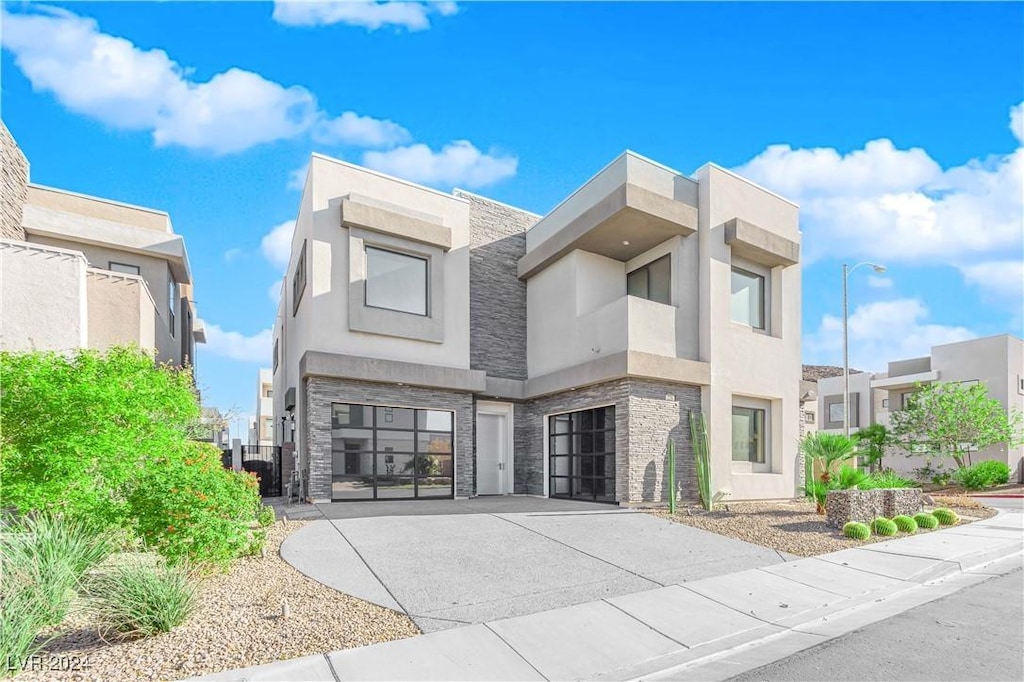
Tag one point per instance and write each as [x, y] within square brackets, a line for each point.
[265, 462]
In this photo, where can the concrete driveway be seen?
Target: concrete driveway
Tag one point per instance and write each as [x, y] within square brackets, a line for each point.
[447, 563]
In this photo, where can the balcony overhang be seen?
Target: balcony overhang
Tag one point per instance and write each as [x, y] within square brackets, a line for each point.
[380, 216]
[72, 227]
[760, 245]
[199, 330]
[623, 224]
[905, 380]
[620, 366]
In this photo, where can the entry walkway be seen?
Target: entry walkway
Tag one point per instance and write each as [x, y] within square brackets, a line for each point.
[708, 629]
[448, 563]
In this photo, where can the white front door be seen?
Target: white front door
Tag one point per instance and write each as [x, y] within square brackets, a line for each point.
[491, 454]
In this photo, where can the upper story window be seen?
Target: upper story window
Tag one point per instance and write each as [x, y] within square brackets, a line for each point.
[396, 281]
[747, 302]
[172, 296]
[276, 355]
[652, 281]
[299, 279]
[126, 268]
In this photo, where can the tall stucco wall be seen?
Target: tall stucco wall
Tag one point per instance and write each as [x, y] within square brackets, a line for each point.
[497, 297]
[42, 298]
[13, 186]
[120, 311]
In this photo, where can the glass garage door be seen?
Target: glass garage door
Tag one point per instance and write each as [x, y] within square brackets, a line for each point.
[581, 448]
[391, 453]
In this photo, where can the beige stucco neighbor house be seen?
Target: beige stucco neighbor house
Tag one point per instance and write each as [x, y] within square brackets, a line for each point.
[437, 345]
[996, 361]
[261, 432]
[84, 272]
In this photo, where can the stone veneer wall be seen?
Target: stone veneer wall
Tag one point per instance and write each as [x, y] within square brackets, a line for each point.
[497, 297]
[646, 414]
[13, 186]
[320, 392]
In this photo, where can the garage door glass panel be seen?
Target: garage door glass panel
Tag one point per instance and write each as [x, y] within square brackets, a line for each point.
[581, 449]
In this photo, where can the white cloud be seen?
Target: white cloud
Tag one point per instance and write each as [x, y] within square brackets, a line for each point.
[876, 282]
[1003, 279]
[880, 332]
[237, 346]
[458, 163]
[127, 87]
[297, 178]
[276, 245]
[1017, 122]
[351, 128]
[899, 205]
[233, 254]
[413, 16]
[274, 292]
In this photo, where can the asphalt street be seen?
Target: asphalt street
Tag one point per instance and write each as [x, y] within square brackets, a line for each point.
[975, 634]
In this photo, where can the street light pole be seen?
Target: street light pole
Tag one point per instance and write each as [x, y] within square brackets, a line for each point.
[846, 342]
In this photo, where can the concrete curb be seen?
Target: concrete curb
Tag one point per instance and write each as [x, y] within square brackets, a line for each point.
[714, 628]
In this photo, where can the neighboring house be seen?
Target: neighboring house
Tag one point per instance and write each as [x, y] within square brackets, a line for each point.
[438, 345]
[213, 428]
[85, 272]
[996, 361]
[262, 431]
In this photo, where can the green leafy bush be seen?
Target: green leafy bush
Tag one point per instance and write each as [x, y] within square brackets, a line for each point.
[188, 507]
[883, 526]
[265, 516]
[926, 520]
[141, 598]
[983, 475]
[857, 530]
[946, 517]
[103, 439]
[905, 524]
[885, 479]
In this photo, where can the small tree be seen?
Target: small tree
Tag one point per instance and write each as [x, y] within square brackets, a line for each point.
[872, 441]
[948, 419]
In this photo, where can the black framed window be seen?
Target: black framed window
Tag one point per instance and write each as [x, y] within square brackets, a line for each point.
[172, 295]
[299, 279]
[396, 281]
[748, 434]
[581, 453]
[391, 453]
[746, 303]
[126, 268]
[652, 281]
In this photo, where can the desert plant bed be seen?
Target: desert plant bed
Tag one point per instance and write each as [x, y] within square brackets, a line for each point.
[794, 527]
[237, 623]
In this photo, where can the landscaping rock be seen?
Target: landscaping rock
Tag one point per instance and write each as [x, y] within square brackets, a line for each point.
[901, 502]
[843, 506]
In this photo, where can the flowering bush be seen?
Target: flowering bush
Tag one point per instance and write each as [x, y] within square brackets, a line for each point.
[188, 506]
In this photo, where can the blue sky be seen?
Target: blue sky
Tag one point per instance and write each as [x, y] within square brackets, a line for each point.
[898, 128]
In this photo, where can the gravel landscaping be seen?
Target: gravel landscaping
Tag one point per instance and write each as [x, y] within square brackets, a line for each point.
[794, 527]
[238, 624]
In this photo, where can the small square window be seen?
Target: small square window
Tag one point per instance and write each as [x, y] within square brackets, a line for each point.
[126, 268]
[808, 417]
[746, 304]
[885, 402]
[396, 281]
[652, 281]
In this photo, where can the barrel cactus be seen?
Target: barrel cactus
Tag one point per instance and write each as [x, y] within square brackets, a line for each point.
[947, 517]
[905, 524]
[857, 530]
[883, 526]
[926, 520]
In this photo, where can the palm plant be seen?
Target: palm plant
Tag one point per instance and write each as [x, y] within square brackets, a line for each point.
[825, 450]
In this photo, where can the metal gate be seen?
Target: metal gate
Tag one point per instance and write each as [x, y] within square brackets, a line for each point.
[265, 462]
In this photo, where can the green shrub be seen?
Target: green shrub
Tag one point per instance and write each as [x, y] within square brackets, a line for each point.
[266, 515]
[886, 479]
[946, 517]
[905, 524]
[141, 598]
[926, 520]
[23, 612]
[883, 526]
[857, 530]
[983, 475]
[189, 507]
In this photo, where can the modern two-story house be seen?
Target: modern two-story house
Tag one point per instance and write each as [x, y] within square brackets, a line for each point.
[78, 271]
[446, 345]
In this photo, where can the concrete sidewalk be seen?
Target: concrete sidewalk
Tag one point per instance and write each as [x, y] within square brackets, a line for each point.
[712, 628]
